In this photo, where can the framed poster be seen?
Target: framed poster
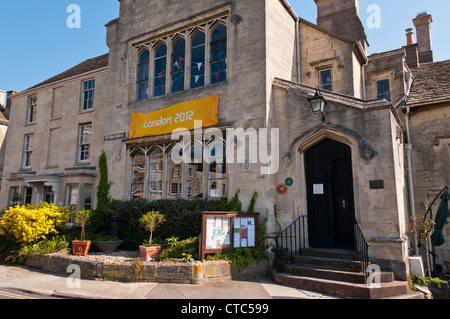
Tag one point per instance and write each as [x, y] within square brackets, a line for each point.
[226, 231]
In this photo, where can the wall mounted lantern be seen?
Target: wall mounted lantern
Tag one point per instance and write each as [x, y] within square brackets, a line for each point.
[318, 103]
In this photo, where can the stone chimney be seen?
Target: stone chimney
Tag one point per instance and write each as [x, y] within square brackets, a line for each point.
[423, 30]
[7, 110]
[411, 49]
[341, 17]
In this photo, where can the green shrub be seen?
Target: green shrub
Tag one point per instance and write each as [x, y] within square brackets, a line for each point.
[101, 216]
[46, 246]
[183, 218]
[184, 250]
[242, 257]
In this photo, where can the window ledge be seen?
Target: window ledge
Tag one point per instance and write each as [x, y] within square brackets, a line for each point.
[30, 124]
[169, 95]
[82, 163]
[86, 111]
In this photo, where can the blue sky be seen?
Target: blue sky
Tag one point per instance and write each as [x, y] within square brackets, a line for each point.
[36, 43]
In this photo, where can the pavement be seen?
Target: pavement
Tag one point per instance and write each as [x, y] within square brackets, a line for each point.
[44, 284]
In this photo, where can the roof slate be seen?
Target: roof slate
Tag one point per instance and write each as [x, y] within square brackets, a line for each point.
[431, 83]
[84, 67]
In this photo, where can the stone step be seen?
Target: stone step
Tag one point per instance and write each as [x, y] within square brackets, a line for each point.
[338, 275]
[340, 288]
[328, 263]
[330, 253]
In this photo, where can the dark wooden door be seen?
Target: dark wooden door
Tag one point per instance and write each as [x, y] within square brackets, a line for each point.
[329, 179]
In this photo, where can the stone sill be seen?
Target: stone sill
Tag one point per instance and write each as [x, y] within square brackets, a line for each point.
[196, 272]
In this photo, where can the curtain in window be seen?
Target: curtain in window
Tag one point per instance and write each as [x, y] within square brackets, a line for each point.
[138, 175]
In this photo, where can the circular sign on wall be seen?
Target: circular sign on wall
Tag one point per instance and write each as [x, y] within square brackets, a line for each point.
[289, 181]
[282, 189]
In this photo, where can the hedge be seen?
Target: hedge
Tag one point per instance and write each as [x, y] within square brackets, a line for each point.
[183, 217]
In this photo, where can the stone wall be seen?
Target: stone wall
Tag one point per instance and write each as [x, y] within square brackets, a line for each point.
[162, 272]
[320, 50]
[389, 65]
[430, 139]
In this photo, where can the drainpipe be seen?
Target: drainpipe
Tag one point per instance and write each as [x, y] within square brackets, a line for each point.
[297, 30]
[364, 70]
[408, 149]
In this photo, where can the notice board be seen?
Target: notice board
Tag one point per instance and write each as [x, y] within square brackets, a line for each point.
[227, 231]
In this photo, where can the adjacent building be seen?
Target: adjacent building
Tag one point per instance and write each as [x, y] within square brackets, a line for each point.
[256, 64]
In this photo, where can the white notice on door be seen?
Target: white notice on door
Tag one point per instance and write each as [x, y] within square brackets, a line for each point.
[318, 189]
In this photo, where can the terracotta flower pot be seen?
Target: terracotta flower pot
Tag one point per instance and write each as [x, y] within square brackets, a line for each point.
[80, 248]
[150, 252]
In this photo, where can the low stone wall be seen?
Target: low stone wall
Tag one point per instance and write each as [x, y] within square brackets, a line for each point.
[134, 271]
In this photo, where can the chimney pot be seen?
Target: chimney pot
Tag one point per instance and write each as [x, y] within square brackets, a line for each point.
[409, 36]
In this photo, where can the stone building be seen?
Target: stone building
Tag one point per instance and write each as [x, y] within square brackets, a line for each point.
[55, 137]
[251, 68]
[3, 129]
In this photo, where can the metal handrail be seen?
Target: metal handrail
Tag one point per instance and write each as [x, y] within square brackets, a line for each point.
[429, 211]
[362, 250]
[292, 241]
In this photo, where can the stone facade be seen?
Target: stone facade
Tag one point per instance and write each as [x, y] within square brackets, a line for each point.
[273, 61]
[54, 144]
[427, 112]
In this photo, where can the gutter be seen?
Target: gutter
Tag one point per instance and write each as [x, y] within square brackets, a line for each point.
[364, 70]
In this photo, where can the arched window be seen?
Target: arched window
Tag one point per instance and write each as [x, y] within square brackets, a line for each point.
[194, 170]
[217, 169]
[142, 75]
[178, 63]
[138, 175]
[175, 171]
[155, 180]
[198, 60]
[160, 70]
[218, 58]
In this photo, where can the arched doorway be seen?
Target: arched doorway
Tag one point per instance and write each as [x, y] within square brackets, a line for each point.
[330, 196]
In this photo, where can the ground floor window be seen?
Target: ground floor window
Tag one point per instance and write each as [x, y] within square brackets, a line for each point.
[88, 195]
[72, 195]
[49, 194]
[28, 195]
[179, 170]
[14, 196]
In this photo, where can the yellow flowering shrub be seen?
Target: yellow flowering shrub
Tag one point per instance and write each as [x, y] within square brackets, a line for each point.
[27, 224]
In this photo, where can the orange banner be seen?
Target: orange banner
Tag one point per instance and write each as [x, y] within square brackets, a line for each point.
[178, 116]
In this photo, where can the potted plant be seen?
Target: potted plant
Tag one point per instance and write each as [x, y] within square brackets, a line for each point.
[423, 227]
[107, 243]
[81, 247]
[150, 221]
